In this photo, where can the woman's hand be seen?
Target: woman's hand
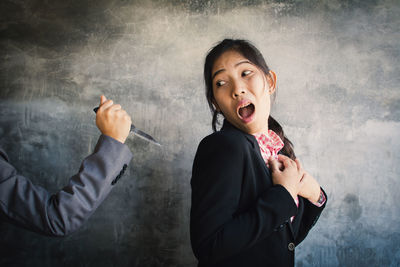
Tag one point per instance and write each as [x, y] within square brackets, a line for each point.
[112, 120]
[288, 174]
[310, 188]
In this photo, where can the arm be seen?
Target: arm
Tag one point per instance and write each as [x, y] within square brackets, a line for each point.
[216, 233]
[311, 192]
[32, 207]
[307, 188]
[310, 217]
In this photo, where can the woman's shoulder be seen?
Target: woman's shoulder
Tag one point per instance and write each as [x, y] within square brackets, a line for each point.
[230, 138]
[219, 149]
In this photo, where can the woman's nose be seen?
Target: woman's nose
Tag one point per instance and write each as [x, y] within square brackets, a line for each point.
[238, 89]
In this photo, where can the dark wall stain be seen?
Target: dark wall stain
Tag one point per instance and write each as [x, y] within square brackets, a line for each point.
[352, 207]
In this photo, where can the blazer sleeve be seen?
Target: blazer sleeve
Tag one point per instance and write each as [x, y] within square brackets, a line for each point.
[309, 219]
[32, 207]
[218, 233]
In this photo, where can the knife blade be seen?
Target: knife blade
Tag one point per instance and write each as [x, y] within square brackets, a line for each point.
[138, 132]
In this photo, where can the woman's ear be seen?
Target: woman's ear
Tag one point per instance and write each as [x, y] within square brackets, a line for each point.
[271, 80]
[216, 106]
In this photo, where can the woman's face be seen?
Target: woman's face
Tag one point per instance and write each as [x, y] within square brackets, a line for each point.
[242, 92]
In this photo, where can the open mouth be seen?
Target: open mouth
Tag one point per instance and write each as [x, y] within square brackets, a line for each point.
[246, 111]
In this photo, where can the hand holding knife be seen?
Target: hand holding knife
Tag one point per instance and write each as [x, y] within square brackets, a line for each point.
[138, 132]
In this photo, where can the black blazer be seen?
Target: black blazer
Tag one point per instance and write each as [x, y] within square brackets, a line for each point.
[238, 217]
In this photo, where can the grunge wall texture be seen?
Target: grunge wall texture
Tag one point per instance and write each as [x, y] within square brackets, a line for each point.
[338, 99]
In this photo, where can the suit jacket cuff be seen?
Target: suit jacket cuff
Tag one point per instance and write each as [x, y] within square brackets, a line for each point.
[110, 146]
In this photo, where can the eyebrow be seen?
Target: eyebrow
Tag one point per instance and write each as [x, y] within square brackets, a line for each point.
[221, 70]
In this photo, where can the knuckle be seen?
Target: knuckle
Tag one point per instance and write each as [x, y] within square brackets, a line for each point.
[108, 114]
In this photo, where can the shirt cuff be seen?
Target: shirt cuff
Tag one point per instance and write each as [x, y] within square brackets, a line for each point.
[321, 201]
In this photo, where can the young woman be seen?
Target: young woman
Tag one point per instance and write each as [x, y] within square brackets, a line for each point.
[250, 206]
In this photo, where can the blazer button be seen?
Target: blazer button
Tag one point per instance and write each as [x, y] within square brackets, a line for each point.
[291, 246]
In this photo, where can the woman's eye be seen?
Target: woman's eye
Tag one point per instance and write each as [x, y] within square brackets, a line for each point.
[220, 83]
[246, 72]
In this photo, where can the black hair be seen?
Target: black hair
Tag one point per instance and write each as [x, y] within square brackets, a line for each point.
[250, 52]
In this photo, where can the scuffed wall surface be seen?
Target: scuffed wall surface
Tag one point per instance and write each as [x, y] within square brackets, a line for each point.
[338, 99]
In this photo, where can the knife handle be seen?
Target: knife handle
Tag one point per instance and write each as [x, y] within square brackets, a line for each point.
[132, 126]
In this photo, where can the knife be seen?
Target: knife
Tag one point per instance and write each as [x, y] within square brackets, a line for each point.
[138, 132]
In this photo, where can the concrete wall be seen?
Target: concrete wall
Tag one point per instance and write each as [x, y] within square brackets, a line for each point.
[338, 98]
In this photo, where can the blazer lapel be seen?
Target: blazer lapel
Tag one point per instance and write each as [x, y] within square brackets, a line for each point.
[252, 140]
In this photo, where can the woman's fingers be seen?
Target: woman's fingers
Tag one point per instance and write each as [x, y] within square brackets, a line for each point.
[294, 178]
[273, 164]
[299, 166]
[286, 161]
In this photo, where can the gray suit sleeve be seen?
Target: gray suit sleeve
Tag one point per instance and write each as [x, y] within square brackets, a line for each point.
[33, 208]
